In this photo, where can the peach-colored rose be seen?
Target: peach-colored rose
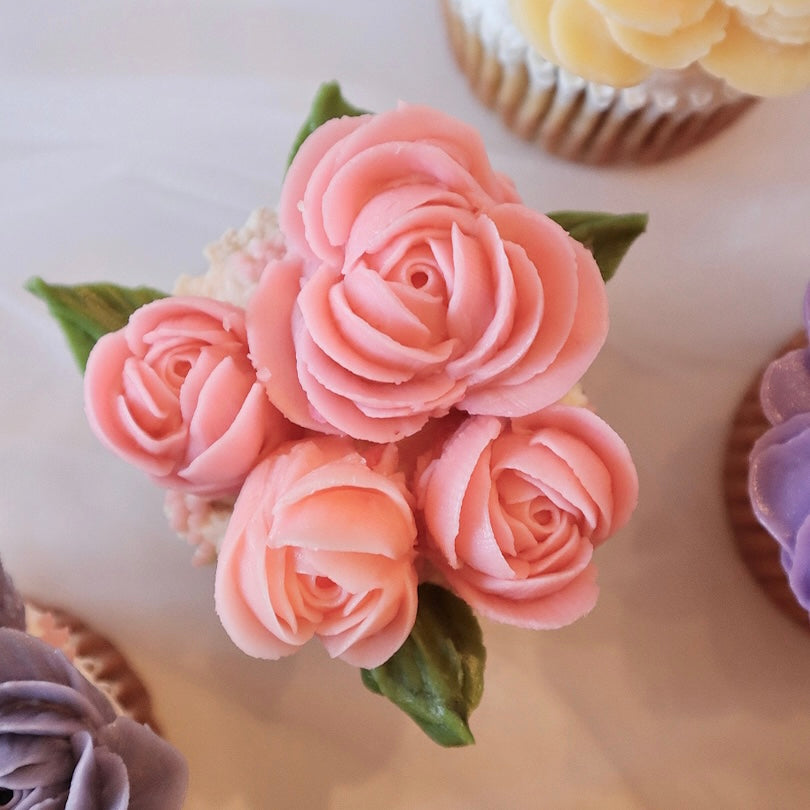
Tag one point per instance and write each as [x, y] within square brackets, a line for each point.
[514, 511]
[174, 393]
[321, 543]
[416, 282]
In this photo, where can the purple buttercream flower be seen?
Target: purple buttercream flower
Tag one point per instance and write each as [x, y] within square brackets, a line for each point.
[779, 468]
[778, 476]
[62, 747]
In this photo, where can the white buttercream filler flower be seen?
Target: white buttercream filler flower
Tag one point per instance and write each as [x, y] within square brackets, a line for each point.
[236, 260]
[200, 521]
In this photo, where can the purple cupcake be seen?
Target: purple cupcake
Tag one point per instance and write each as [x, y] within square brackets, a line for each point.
[62, 744]
[767, 474]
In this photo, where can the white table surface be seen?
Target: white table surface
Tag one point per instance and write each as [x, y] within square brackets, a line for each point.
[133, 133]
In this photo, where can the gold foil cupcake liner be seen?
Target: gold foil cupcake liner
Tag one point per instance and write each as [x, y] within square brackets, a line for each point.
[96, 658]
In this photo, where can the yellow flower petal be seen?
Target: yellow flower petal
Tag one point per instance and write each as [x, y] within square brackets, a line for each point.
[782, 29]
[758, 66]
[788, 8]
[580, 37]
[680, 48]
[654, 16]
[532, 17]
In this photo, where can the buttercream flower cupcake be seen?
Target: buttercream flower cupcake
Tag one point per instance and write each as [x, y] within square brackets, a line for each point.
[367, 412]
[72, 730]
[606, 81]
[767, 473]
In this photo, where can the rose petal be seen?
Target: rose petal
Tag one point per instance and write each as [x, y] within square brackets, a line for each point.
[550, 611]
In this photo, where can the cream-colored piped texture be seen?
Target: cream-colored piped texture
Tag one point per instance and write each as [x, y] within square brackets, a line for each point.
[761, 47]
[237, 260]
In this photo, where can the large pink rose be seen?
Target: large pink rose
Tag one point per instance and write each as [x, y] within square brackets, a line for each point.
[174, 393]
[321, 543]
[416, 282]
[514, 511]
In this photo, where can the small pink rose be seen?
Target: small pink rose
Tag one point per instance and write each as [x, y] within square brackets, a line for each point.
[321, 543]
[174, 393]
[416, 282]
[514, 511]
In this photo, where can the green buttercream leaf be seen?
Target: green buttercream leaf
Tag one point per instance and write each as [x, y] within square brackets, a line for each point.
[87, 311]
[327, 104]
[607, 236]
[437, 675]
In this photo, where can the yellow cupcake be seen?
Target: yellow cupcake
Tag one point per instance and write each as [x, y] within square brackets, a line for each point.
[628, 80]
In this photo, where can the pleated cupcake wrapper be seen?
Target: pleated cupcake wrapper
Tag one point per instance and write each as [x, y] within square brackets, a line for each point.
[758, 549]
[96, 658]
[580, 120]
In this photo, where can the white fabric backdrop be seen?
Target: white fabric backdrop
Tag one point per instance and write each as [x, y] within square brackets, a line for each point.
[133, 133]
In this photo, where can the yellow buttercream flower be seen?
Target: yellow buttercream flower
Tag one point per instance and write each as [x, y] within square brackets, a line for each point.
[761, 47]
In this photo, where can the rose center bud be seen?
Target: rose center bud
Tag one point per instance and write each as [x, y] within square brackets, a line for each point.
[418, 276]
[543, 516]
[322, 592]
[181, 368]
[412, 263]
[531, 515]
[149, 399]
[419, 279]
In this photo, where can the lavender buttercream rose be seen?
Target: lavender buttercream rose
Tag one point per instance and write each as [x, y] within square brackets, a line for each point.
[62, 747]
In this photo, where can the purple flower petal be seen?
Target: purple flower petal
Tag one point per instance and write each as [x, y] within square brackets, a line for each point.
[785, 388]
[29, 660]
[62, 746]
[797, 565]
[777, 480]
[157, 773]
[29, 760]
[99, 779]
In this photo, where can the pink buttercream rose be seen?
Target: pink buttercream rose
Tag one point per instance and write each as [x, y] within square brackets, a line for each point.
[174, 393]
[416, 282]
[321, 543]
[514, 510]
